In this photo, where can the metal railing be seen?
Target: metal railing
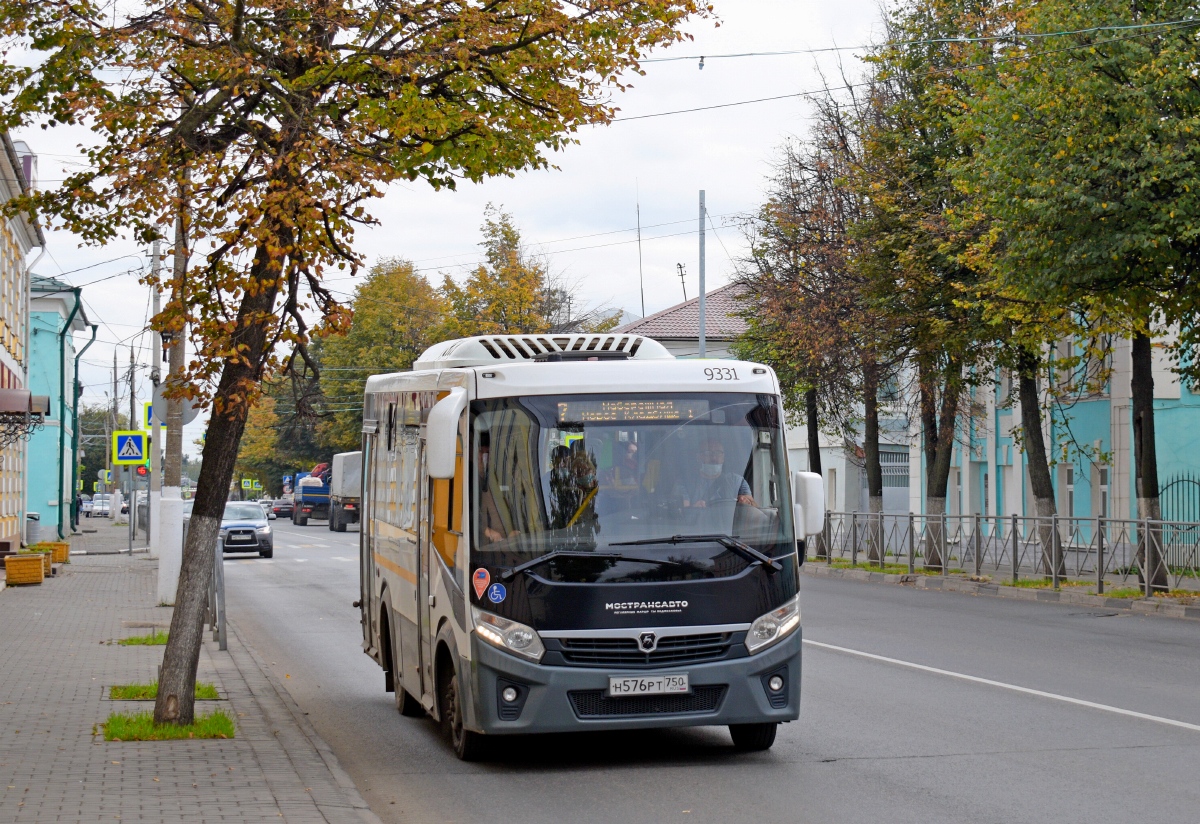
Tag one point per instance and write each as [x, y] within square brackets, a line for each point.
[1159, 555]
[214, 612]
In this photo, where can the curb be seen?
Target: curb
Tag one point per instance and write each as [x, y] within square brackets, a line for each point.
[340, 776]
[1141, 606]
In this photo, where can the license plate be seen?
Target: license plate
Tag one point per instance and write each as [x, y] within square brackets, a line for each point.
[233, 539]
[620, 685]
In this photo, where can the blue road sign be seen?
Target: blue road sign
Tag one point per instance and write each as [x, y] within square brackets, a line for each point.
[129, 447]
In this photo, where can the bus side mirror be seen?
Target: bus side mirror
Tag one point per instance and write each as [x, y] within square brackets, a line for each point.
[808, 498]
[441, 434]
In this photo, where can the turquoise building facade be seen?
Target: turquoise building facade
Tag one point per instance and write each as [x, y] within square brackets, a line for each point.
[1089, 439]
[56, 314]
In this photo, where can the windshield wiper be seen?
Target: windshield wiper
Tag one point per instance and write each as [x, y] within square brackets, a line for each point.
[509, 574]
[728, 541]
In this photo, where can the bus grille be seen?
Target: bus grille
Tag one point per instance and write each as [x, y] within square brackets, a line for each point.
[595, 704]
[624, 652]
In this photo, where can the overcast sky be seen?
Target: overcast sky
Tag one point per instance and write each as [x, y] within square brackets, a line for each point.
[580, 215]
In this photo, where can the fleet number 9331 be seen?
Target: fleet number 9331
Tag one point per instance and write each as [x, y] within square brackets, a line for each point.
[720, 373]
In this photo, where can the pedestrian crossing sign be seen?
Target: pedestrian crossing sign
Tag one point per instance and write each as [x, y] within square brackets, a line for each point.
[129, 448]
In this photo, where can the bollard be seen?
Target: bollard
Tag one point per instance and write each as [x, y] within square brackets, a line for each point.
[1146, 574]
[853, 539]
[912, 540]
[978, 547]
[944, 544]
[1016, 546]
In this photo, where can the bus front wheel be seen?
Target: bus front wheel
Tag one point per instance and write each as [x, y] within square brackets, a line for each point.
[753, 737]
[468, 746]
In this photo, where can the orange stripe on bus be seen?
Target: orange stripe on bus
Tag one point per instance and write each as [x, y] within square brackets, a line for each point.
[390, 566]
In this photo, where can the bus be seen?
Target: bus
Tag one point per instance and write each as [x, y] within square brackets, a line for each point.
[570, 532]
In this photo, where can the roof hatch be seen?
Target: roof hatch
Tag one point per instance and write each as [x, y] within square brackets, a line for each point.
[490, 350]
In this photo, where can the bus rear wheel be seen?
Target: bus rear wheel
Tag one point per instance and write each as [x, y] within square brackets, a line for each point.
[468, 746]
[753, 737]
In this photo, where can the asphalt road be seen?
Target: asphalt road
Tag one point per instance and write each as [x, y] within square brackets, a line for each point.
[1048, 731]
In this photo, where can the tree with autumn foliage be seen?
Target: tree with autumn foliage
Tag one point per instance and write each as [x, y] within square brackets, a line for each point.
[397, 316]
[270, 125]
[513, 291]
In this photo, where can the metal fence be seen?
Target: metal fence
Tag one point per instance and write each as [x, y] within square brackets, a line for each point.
[1157, 555]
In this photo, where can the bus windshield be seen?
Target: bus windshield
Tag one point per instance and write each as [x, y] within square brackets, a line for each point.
[621, 475]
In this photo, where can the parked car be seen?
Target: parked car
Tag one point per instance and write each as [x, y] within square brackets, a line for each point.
[245, 528]
[282, 508]
[100, 504]
[86, 508]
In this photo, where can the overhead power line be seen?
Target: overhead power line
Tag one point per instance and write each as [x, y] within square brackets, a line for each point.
[930, 73]
[994, 38]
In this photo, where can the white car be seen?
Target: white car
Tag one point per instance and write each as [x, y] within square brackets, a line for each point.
[100, 505]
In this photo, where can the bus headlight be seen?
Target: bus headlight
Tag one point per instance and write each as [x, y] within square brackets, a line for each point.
[509, 636]
[773, 627]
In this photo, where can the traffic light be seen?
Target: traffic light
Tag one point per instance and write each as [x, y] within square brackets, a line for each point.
[142, 471]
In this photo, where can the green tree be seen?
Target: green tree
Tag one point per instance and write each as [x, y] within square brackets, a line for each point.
[511, 292]
[912, 251]
[1086, 157]
[267, 125]
[397, 315]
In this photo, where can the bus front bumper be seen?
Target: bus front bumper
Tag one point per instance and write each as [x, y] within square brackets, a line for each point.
[571, 699]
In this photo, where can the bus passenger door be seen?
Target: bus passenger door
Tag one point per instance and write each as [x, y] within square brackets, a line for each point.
[424, 630]
[368, 604]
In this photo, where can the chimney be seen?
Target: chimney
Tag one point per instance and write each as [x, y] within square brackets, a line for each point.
[28, 161]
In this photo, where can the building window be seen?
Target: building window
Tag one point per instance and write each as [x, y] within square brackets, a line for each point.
[1070, 486]
[1103, 492]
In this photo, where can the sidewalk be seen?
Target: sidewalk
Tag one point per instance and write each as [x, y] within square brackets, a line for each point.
[56, 664]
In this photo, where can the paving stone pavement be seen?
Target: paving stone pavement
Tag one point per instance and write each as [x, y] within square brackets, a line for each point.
[57, 660]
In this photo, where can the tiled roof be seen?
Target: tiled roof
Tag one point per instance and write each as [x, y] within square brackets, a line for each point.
[721, 321]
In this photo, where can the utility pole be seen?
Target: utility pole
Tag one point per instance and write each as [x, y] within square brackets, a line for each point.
[154, 493]
[679, 266]
[113, 503]
[170, 560]
[703, 352]
[131, 484]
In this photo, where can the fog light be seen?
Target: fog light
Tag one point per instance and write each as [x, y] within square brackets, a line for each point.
[509, 694]
[775, 683]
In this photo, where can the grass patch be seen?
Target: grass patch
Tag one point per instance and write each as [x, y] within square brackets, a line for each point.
[148, 692]
[139, 726]
[157, 638]
[1043, 583]
[890, 569]
[1186, 595]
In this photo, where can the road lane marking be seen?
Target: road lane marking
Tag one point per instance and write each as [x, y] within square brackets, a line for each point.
[340, 558]
[1079, 702]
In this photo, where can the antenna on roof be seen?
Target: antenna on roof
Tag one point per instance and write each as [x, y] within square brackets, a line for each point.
[679, 266]
[641, 281]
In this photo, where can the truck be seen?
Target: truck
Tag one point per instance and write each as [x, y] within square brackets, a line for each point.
[311, 500]
[575, 532]
[345, 490]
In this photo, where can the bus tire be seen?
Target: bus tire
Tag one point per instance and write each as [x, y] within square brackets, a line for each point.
[753, 737]
[468, 746]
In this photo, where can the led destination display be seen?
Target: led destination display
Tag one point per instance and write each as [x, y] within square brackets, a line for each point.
[619, 411]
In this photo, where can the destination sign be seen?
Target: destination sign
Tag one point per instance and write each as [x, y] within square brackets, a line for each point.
[619, 411]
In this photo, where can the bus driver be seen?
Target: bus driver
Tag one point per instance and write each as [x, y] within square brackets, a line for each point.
[713, 483]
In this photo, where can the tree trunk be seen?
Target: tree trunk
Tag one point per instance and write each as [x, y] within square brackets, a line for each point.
[175, 703]
[939, 414]
[1039, 466]
[813, 428]
[871, 454]
[1145, 459]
